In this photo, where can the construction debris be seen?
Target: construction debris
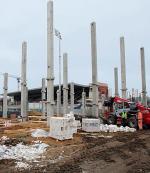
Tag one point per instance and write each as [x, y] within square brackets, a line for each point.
[39, 133]
[21, 152]
[115, 128]
[94, 125]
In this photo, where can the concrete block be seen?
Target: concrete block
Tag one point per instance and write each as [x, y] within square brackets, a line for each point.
[90, 125]
[62, 128]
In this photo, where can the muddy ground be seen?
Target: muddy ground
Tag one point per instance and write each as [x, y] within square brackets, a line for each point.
[86, 153]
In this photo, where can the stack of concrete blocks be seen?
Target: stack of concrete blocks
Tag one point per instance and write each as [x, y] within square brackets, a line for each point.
[63, 128]
[90, 125]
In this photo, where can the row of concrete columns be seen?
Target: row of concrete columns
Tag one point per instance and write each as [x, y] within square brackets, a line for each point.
[50, 74]
[50, 71]
[123, 73]
[24, 90]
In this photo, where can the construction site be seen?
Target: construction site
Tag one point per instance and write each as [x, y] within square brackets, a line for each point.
[73, 127]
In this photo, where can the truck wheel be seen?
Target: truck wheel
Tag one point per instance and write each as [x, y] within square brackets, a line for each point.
[132, 122]
[111, 119]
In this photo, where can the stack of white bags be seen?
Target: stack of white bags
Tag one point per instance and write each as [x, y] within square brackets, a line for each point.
[94, 125]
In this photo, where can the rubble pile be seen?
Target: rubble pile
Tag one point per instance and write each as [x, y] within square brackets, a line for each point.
[21, 151]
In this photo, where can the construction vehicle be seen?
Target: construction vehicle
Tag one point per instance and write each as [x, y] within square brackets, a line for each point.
[116, 106]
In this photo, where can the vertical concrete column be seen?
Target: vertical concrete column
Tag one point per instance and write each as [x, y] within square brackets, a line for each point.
[133, 94]
[24, 82]
[116, 81]
[65, 83]
[5, 106]
[137, 95]
[72, 97]
[123, 67]
[109, 92]
[58, 103]
[143, 74]
[128, 95]
[94, 70]
[50, 62]
[27, 100]
[83, 103]
[43, 96]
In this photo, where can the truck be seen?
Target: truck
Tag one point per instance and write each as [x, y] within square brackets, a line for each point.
[116, 105]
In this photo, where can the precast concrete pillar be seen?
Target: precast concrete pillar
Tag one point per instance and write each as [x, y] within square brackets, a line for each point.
[123, 68]
[128, 95]
[133, 94]
[24, 82]
[116, 81]
[50, 62]
[83, 103]
[137, 95]
[143, 74]
[5, 103]
[72, 97]
[65, 83]
[109, 92]
[58, 103]
[94, 71]
[43, 96]
[27, 102]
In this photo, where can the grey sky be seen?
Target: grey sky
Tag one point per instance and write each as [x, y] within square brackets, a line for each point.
[26, 20]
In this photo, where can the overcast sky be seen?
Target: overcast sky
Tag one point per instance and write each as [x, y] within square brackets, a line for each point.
[26, 20]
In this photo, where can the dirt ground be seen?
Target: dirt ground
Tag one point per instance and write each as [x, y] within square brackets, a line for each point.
[85, 153]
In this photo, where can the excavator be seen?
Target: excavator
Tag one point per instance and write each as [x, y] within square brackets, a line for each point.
[116, 105]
